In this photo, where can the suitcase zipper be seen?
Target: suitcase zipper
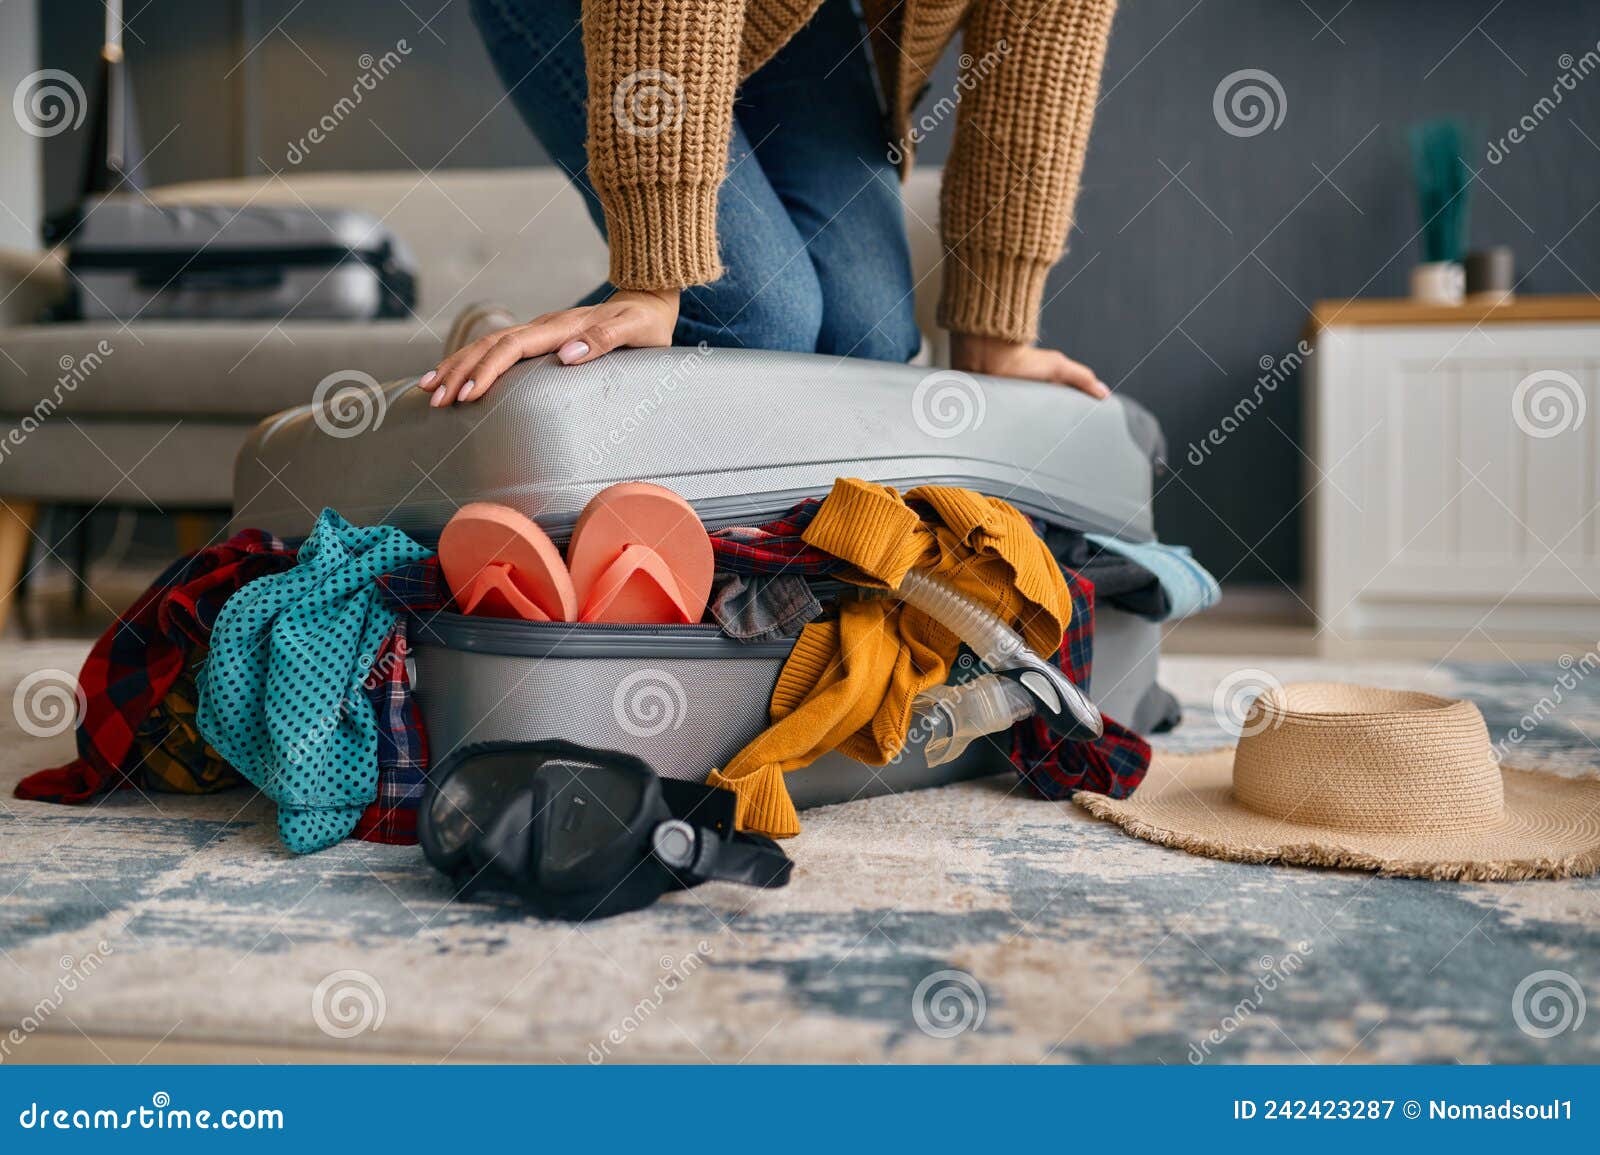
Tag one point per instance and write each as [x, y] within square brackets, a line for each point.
[721, 512]
[515, 638]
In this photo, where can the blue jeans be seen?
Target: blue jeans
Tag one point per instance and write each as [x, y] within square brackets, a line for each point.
[809, 219]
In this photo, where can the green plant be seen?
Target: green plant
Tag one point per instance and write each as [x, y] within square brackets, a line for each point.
[1443, 192]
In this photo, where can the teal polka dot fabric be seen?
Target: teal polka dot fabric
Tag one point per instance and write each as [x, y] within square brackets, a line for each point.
[281, 689]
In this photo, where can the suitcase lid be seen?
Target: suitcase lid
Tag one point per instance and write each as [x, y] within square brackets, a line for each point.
[742, 434]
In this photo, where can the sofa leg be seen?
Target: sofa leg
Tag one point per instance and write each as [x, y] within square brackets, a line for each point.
[16, 539]
[83, 519]
[193, 530]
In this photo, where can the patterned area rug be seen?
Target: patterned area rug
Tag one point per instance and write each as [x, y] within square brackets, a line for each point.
[963, 924]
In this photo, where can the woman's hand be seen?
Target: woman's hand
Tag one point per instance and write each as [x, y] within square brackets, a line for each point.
[637, 318]
[975, 354]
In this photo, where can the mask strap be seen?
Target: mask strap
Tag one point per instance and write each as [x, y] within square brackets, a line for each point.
[700, 842]
[696, 854]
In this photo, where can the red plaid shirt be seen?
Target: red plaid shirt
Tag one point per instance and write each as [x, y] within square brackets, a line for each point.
[135, 663]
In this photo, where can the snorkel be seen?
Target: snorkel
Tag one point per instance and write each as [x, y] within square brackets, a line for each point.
[1020, 683]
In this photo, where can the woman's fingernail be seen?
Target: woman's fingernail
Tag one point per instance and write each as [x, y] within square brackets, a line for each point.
[468, 391]
[1102, 388]
[571, 351]
[426, 377]
[439, 399]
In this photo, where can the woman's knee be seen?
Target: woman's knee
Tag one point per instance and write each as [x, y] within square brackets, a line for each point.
[863, 261]
[779, 309]
[877, 327]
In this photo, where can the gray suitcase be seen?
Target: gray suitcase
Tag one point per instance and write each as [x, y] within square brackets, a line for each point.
[132, 258]
[743, 435]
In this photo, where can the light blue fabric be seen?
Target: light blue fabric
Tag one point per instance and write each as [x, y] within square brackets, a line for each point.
[1189, 586]
[281, 689]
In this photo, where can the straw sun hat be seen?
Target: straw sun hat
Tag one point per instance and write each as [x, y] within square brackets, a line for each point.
[1398, 782]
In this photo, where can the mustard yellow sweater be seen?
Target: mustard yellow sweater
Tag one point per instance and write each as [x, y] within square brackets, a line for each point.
[849, 684]
[1022, 127]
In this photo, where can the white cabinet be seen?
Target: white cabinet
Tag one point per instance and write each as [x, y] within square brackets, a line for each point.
[1454, 479]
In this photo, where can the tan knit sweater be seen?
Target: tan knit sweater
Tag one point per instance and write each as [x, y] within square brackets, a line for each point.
[662, 75]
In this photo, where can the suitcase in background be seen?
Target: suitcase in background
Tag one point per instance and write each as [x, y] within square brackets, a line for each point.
[132, 259]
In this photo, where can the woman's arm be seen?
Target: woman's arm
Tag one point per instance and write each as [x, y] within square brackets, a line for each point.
[661, 83]
[1022, 129]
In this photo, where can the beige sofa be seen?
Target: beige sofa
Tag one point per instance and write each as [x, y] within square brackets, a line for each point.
[151, 414]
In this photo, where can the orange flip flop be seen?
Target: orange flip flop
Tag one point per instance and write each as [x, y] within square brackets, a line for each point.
[499, 564]
[640, 554]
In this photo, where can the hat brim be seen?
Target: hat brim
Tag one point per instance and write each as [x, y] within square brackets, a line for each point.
[1550, 827]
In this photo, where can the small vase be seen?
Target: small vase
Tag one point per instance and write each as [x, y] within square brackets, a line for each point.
[1439, 283]
[1491, 275]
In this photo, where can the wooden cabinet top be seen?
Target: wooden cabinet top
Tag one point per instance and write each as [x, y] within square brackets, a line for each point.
[1399, 311]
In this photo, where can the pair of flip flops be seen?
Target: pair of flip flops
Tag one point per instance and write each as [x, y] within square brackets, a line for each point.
[638, 554]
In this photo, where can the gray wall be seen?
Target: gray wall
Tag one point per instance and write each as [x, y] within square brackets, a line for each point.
[1196, 253]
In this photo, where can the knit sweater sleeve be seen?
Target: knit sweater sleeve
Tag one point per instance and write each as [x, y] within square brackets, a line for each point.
[661, 85]
[1031, 76]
